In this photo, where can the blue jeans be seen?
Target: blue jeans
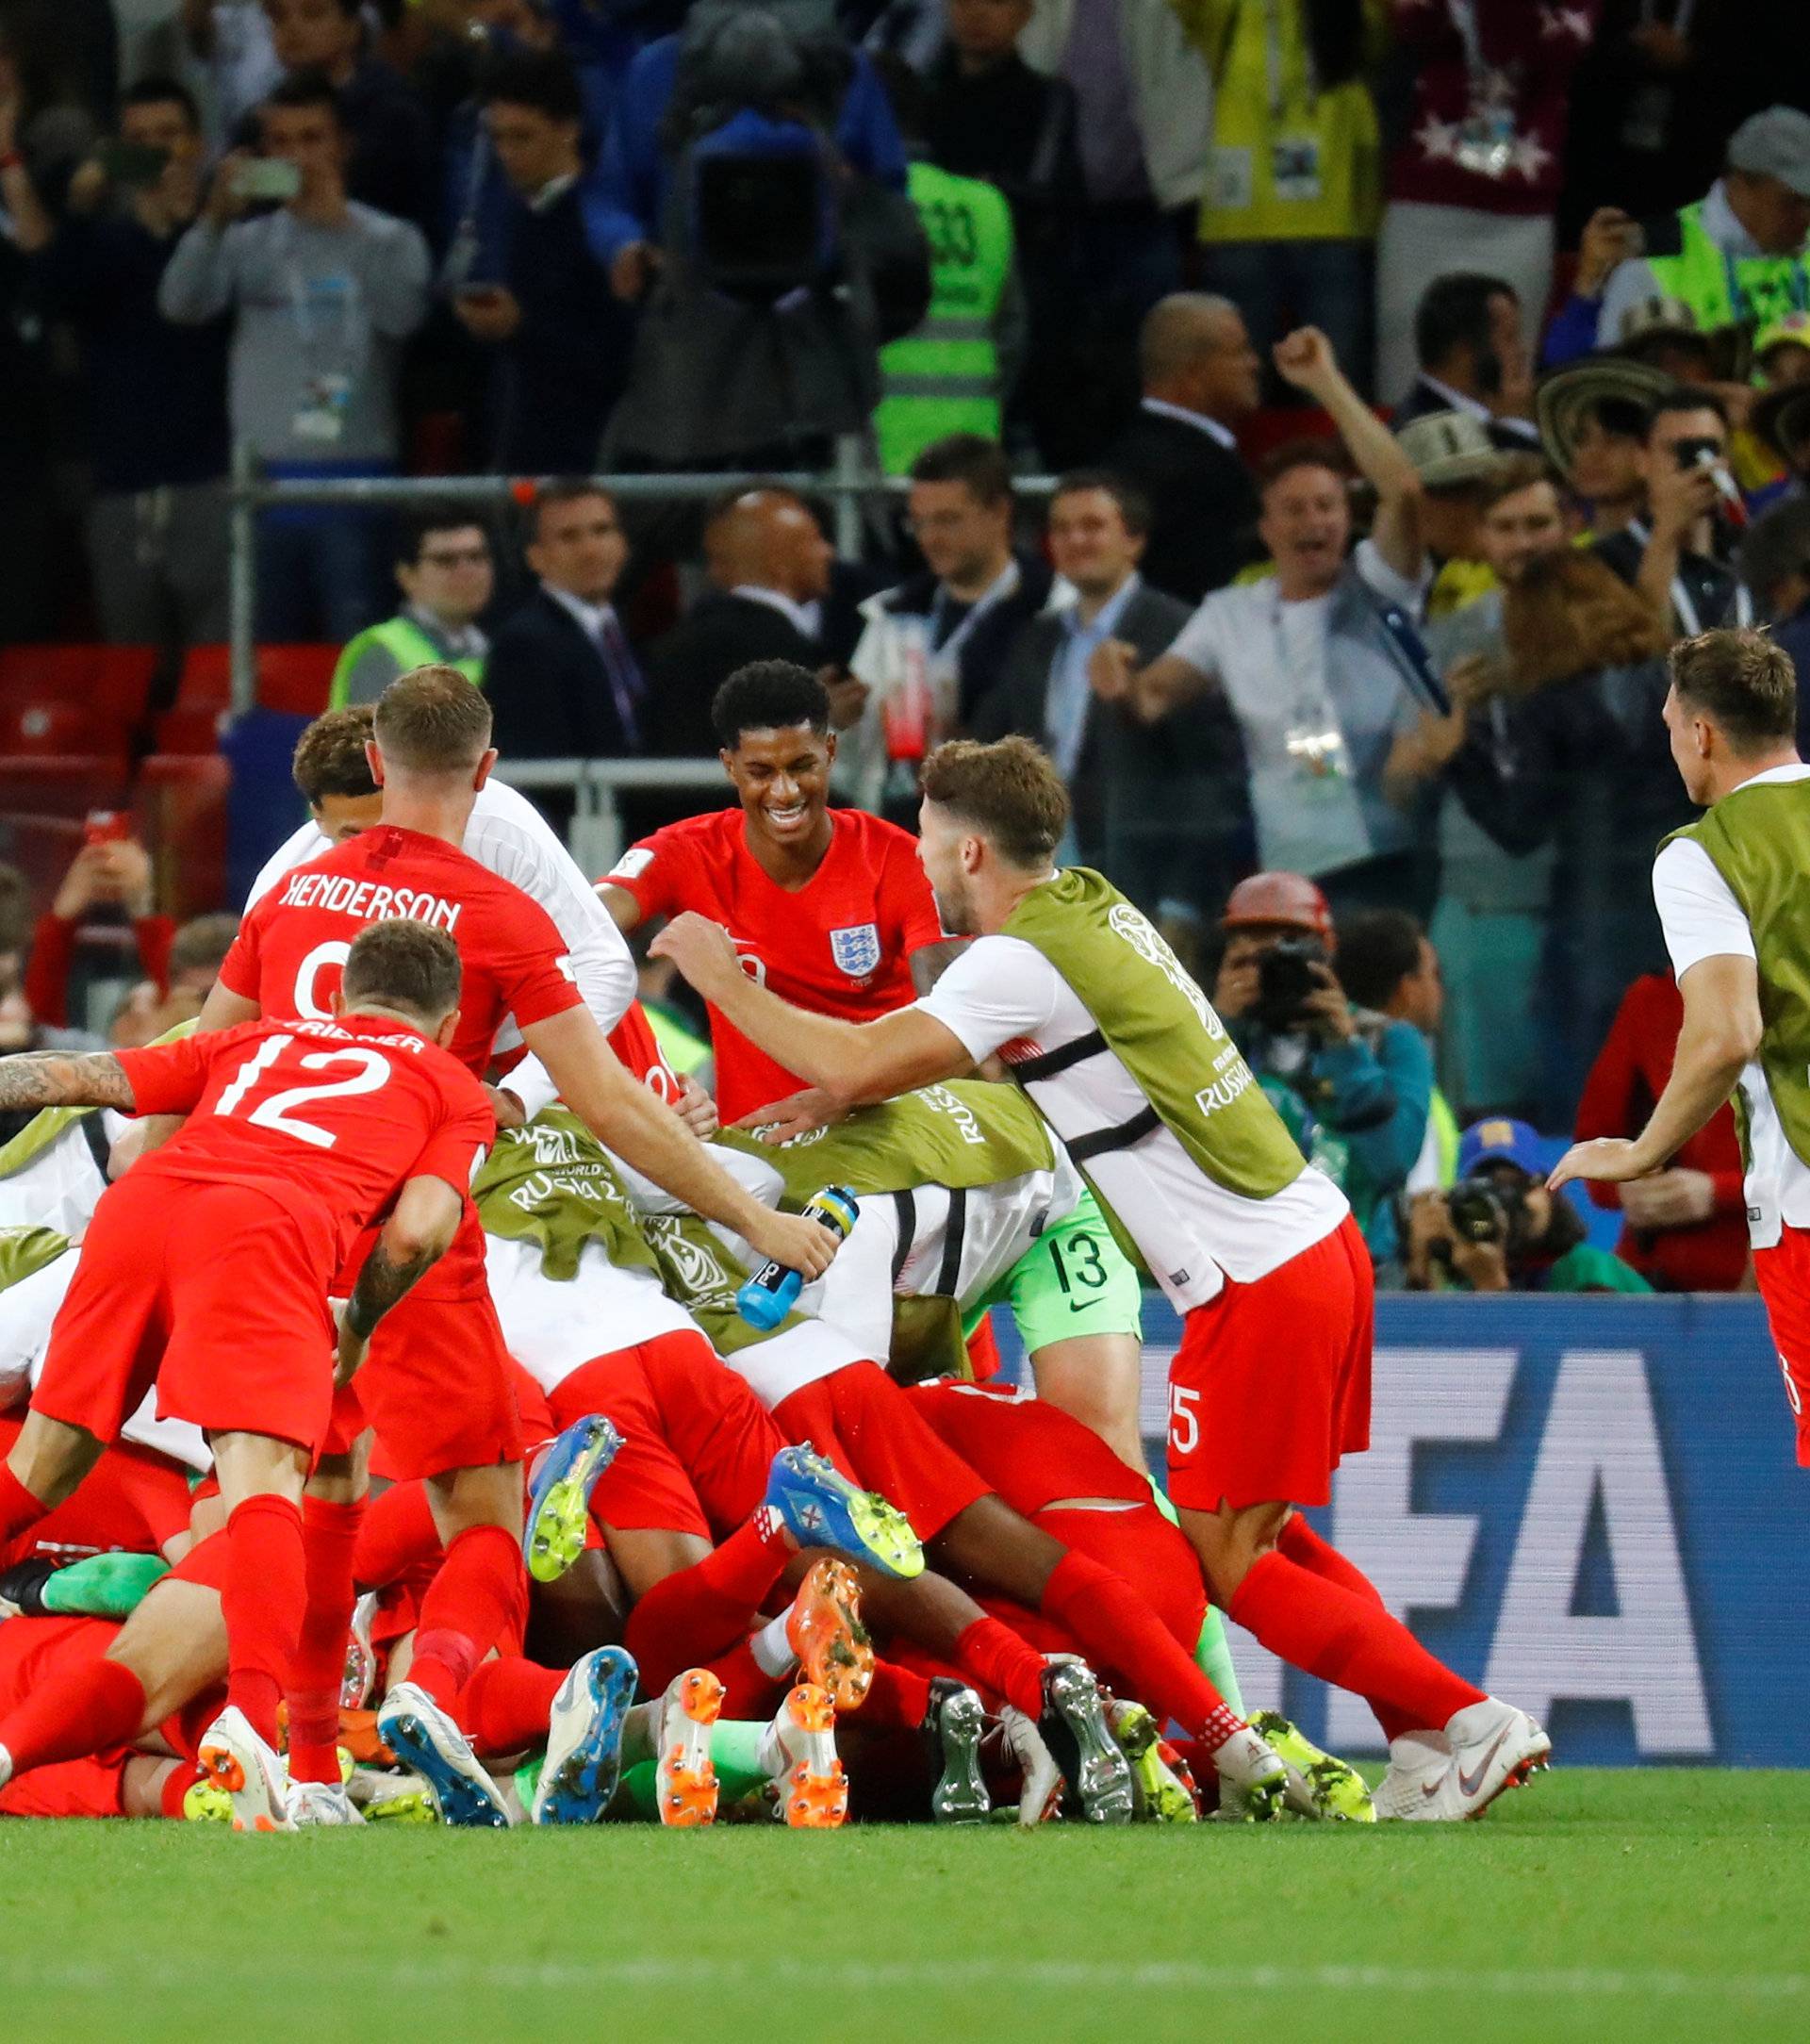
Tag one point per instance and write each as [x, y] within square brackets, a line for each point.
[1325, 284]
[322, 572]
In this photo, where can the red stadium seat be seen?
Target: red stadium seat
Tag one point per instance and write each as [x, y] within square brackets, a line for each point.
[36, 728]
[112, 682]
[180, 801]
[64, 785]
[189, 728]
[291, 678]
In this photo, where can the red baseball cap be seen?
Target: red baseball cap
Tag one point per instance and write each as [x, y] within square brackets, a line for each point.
[1267, 900]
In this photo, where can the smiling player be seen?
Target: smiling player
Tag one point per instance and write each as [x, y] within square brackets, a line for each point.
[830, 908]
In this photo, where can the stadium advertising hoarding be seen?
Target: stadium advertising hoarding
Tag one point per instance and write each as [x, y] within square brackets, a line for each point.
[1591, 1505]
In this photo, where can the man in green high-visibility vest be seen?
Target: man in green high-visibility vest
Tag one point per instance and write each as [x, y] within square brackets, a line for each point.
[1737, 255]
[1735, 913]
[447, 576]
[1120, 1052]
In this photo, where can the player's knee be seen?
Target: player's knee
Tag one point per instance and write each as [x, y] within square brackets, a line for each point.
[51, 1458]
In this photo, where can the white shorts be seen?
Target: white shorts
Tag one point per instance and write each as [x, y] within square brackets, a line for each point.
[555, 1325]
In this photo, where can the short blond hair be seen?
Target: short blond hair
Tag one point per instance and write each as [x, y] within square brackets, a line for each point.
[1010, 791]
[432, 719]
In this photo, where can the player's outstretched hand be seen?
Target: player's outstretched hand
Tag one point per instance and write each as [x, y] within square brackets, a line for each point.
[354, 1348]
[800, 1244]
[696, 1109]
[798, 1114]
[1611, 1159]
[702, 950]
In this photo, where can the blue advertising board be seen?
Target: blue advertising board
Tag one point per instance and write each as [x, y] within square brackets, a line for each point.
[1590, 1506]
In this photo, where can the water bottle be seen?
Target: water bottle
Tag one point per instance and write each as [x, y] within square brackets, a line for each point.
[767, 1296]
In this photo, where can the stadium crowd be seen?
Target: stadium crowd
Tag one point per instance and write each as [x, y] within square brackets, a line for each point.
[1405, 432]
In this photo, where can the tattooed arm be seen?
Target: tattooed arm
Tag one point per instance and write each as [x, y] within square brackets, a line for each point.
[418, 1232]
[64, 1078]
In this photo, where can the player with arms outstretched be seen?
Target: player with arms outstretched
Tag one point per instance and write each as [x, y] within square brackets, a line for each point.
[1732, 897]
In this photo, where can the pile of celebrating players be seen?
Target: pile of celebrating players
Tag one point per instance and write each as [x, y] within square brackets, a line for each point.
[425, 1404]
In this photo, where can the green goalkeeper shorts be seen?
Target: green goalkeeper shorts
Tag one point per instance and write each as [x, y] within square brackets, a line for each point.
[1074, 1279]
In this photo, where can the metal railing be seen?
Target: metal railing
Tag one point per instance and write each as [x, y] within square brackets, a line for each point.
[595, 836]
[853, 485]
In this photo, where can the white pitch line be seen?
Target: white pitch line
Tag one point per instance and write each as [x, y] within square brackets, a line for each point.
[1152, 1976]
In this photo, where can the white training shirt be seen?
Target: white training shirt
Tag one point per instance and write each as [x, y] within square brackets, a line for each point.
[1702, 919]
[508, 834]
[1003, 995]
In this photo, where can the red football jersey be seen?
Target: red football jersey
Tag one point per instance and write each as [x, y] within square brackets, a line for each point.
[330, 1118]
[841, 945]
[293, 942]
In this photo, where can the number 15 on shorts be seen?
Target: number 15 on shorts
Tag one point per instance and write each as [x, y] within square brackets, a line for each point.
[1184, 1422]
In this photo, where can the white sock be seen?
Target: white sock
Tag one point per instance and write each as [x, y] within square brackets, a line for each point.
[772, 1650]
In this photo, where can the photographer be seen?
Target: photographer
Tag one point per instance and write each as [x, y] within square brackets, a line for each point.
[1499, 1229]
[1353, 1087]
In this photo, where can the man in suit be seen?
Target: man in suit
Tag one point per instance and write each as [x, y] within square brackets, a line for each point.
[561, 675]
[1162, 809]
[1201, 378]
[1473, 359]
[770, 565]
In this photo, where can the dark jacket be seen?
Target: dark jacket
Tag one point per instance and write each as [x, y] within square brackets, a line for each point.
[1422, 401]
[1160, 809]
[982, 658]
[550, 691]
[393, 166]
[686, 668]
[1203, 504]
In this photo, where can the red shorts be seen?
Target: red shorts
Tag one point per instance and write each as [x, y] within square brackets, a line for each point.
[438, 1385]
[867, 1426]
[1030, 1451]
[219, 1296]
[696, 1445]
[1783, 1275]
[1271, 1384]
[132, 1502]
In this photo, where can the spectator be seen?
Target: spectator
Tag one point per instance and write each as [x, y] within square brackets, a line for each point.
[1288, 222]
[1157, 807]
[115, 878]
[1201, 381]
[933, 646]
[1686, 1225]
[562, 676]
[1479, 160]
[1455, 457]
[537, 300]
[1499, 1229]
[953, 372]
[155, 393]
[390, 167]
[149, 1011]
[1320, 664]
[444, 569]
[1353, 1087]
[1471, 358]
[769, 563]
[1782, 423]
[1672, 556]
[231, 38]
[1775, 565]
[1388, 964]
[753, 349]
[1593, 420]
[1144, 99]
[1736, 257]
[324, 291]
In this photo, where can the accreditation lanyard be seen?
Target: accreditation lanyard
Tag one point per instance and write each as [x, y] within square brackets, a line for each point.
[947, 652]
[1682, 600]
[1273, 60]
[1312, 739]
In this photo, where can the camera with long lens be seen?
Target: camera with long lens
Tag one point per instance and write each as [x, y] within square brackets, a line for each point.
[1286, 981]
[1489, 1207]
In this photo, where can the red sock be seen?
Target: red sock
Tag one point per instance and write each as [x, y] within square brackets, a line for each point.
[898, 1696]
[262, 1601]
[697, 1613]
[1117, 1630]
[330, 1534]
[1301, 1543]
[1341, 1636]
[176, 1785]
[505, 1705]
[748, 1691]
[98, 1704]
[20, 1508]
[398, 1532]
[993, 1655]
[473, 1603]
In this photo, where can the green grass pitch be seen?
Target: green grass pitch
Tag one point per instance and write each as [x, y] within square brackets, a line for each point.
[1642, 1905]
